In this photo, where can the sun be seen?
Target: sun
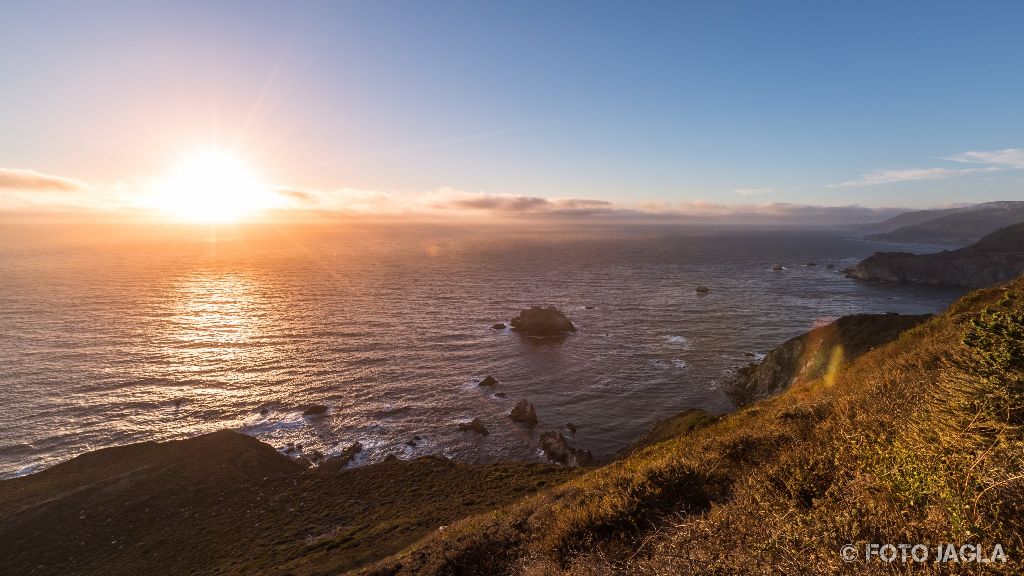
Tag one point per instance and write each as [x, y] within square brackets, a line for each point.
[211, 186]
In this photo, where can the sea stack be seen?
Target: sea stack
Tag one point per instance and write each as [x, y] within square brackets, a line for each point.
[544, 321]
[524, 413]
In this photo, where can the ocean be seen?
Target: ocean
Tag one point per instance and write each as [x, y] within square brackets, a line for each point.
[111, 336]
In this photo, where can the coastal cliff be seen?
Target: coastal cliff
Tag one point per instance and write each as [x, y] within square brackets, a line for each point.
[814, 354]
[998, 257]
[913, 440]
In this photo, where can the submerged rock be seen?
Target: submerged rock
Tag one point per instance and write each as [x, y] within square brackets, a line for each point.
[703, 289]
[557, 449]
[542, 321]
[314, 410]
[500, 395]
[524, 413]
[488, 381]
[474, 425]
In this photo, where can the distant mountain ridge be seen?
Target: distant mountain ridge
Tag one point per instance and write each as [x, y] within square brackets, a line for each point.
[960, 225]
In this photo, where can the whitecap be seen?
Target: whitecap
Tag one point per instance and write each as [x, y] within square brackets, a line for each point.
[27, 470]
[679, 340]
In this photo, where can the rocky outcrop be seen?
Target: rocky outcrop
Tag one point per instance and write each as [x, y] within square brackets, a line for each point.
[542, 321]
[335, 463]
[488, 381]
[474, 425]
[314, 410]
[557, 449]
[996, 258]
[811, 355]
[524, 413]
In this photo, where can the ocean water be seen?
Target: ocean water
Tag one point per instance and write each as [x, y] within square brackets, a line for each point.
[109, 337]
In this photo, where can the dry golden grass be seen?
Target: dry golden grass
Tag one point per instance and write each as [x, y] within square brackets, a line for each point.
[919, 441]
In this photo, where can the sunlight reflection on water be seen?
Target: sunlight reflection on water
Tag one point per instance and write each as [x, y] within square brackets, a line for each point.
[392, 331]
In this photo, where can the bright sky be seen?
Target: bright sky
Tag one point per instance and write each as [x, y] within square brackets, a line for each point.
[517, 106]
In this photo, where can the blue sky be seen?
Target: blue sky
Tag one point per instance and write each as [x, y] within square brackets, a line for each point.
[824, 103]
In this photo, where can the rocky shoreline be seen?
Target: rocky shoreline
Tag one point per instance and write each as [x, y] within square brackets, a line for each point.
[174, 507]
[996, 258]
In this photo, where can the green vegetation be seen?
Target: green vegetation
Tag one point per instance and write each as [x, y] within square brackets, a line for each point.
[919, 441]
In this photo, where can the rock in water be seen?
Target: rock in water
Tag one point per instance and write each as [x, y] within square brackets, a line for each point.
[524, 413]
[542, 321]
[777, 268]
[571, 427]
[498, 326]
[335, 463]
[557, 449]
[703, 289]
[488, 381]
[314, 410]
[475, 425]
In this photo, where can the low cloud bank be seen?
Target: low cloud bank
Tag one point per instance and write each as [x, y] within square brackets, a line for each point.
[27, 190]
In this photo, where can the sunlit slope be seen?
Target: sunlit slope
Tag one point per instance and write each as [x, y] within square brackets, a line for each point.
[919, 441]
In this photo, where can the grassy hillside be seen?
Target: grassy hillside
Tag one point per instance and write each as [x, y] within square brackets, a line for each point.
[918, 441]
[226, 503]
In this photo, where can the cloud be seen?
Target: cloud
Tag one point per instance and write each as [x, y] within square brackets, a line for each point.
[876, 177]
[781, 212]
[991, 161]
[300, 195]
[33, 191]
[1009, 158]
[453, 203]
[517, 204]
[20, 179]
[754, 191]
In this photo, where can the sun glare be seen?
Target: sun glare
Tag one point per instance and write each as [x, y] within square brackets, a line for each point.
[212, 186]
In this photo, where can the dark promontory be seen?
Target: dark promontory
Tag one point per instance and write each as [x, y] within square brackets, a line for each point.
[998, 257]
